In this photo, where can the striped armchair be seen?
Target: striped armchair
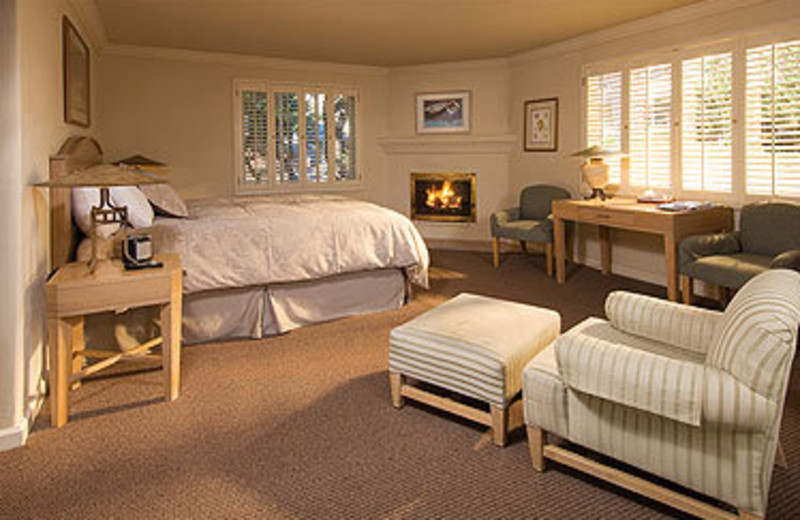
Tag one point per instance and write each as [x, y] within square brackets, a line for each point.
[691, 395]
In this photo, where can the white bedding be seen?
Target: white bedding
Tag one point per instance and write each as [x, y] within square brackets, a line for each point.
[287, 238]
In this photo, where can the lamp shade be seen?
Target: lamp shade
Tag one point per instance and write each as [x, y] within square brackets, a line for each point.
[142, 163]
[103, 175]
[596, 152]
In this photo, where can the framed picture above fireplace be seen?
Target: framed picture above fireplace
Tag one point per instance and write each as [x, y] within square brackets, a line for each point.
[443, 112]
[443, 197]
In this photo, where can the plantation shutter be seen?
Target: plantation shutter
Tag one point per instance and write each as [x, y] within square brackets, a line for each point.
[604, 117]
[316, 137]
[344, 116]
[707, 124]
[254, 136]
[773, 120]
[287, 137]
[649, 137]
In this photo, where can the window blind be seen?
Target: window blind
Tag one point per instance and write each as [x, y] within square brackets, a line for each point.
[773, 120]
[344, 116]
[707, 123]
[604, 117]
[255, 138]
[316, 133]
[287, 137]
[649, 137]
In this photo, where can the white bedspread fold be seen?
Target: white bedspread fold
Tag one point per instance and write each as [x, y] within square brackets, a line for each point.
[286, 238]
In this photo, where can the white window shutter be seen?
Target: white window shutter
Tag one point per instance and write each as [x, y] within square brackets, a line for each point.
[604, 116]
[254, 136]
[707, 123]
[288, 150]
[344, 116]
[773, 120]
[650, 126]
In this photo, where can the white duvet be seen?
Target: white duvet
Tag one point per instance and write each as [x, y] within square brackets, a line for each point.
[285, 238]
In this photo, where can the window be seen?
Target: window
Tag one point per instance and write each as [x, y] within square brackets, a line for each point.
[604, 117]
[650, 125]
[707, 123]
[677, 118]
[773, 120]
[291, 137]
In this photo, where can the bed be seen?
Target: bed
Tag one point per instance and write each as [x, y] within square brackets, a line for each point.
[259, 266]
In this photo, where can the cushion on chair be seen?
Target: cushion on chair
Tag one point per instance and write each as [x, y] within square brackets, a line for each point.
[668, 383]
[758, 333]
[530, 230]
[535, 202]
[727, 270]
[473, 345]
[687, 327]
[770, 228]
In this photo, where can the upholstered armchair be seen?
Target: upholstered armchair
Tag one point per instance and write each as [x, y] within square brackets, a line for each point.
[768, 239]
[691, 395]
[528, 222]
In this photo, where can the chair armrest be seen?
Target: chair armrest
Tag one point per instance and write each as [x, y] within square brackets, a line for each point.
[690, 328]
[505, 216]
[730, 404]
[787, 260]
[697, 246]
[664, 386]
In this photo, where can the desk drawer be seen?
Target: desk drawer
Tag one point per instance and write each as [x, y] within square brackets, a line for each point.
[605, 217]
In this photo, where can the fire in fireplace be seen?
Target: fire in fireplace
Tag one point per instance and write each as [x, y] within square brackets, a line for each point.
[447, 197]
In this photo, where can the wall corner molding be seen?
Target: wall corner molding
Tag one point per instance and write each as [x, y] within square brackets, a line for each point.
[15, 436]
[502, 144]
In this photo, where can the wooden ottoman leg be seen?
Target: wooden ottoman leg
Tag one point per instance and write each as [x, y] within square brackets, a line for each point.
[396, 384]
[536, 447]
[499, 425]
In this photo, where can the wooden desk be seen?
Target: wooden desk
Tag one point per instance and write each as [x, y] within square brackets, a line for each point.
[73, 292]
[635, 216]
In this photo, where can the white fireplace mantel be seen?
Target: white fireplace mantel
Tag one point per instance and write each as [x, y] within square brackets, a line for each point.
[461, 144]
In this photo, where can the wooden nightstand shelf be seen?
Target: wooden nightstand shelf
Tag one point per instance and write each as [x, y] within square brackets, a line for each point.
[73, 292]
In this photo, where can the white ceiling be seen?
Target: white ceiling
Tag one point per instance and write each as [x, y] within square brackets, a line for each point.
[367, 32]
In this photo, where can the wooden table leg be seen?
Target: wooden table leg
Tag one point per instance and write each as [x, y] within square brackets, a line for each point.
[605, 249]
[171, 314]
[671, 256]
[559, 238]
[59, 331]
[78, 343]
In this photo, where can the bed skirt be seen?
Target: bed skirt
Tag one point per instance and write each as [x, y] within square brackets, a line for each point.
[256, 312]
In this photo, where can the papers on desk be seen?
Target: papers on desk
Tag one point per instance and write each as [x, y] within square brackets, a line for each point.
[685, 205]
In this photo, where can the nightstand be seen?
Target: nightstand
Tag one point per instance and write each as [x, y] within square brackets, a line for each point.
[73, 292]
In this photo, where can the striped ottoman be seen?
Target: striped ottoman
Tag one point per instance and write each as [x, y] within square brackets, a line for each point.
[474, 346]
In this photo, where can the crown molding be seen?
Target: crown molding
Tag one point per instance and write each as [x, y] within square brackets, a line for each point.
[464, 145]
[452, 66]
[90, 20]
[655, 22]
[221, 58]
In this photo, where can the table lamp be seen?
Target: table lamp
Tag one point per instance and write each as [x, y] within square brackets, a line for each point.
[103, 176]
[594, 170]
[140, 162]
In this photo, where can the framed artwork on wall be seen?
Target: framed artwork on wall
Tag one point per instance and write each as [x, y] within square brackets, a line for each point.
[443, 112]
[541, 125]
[76, 76]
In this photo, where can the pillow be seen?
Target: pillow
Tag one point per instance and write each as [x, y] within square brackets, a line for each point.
[165, 199]
[140, 213]
[82, 201]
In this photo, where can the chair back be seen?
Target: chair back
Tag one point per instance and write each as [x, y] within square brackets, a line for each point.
[757, 337]
[770, 228]
[535, 201]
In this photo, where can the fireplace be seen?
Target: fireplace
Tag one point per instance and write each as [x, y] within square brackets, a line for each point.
[445, 197]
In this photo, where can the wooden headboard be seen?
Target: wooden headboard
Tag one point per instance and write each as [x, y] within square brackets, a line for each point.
[77, 153]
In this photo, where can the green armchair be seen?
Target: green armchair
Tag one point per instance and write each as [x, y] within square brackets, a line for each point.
[769, 238]
[529, 222]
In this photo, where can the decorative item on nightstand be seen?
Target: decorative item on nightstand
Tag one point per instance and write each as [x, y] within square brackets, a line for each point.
[140, 162]
[594, 170]
[103, 176]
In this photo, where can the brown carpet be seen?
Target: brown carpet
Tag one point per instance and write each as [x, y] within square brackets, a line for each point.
[301, 426]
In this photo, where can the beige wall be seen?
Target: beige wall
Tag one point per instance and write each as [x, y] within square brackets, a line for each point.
[177, 107]
[484, 150]
[42, 132]
[556, 71]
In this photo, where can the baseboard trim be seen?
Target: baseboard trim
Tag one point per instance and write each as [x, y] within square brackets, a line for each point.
[15, 436]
